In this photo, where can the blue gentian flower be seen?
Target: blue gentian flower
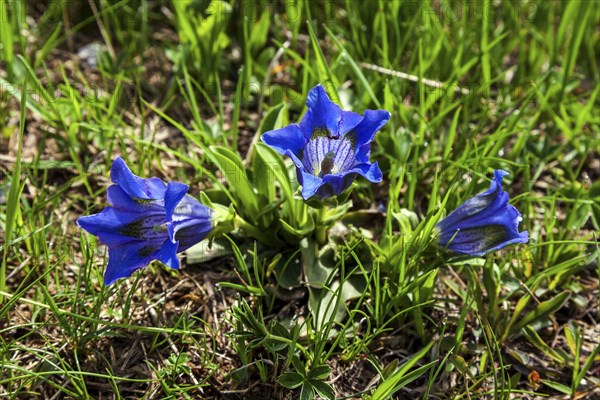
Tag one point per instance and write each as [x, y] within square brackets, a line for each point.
[483, 223]
[147, 220]
[329, 147]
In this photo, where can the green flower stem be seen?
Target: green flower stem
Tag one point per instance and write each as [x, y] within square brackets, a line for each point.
[320, 226]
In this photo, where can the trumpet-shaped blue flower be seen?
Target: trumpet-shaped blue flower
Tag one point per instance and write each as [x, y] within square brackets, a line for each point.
[483, 223]
[329, 147]
[147, 220]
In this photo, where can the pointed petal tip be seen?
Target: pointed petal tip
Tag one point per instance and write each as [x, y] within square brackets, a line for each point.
[168, 254]
[524, 236]
[499, 174]
[318, 90]
[382, 115]
[92, 223]
[117, 167]
[78, 222]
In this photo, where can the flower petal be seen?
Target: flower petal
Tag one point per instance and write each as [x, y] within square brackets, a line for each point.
[125, 260]
[322, 113]
[295, 159]
[285, 139]
[349, 121]
[477, 204]
[371, 172]
[481, 240]
[483, 223]
[168, 254]
[192, 222]
[137, 188]
[335, 184]
[191, 233]
[310, 184]
[121, 201]
[364, 133]
[373, 121]
[176, 191]
[109, 225]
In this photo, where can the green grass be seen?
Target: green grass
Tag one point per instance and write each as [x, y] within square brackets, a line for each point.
[182, 91]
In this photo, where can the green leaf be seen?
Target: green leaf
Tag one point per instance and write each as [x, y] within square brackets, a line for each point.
[571, 335]
[591, 359]
[291, 380]
[264, 180]
[274, 119]
[279, 330]
[424, 280]
[299, 233]
[13, 205]
[559, 387]
[260, 32]
[423, 294]
[320, 372]
[325, 75]
[328, 304]
[389, 369]
[542, 310]
[491, 281]
[276, 166]
[300, 367]
[323, 388]
[532, 336]
[307, 392]
[400, 378]
[357, 70]
[317, 264]
[231, 165]
[449, 141]
[461, 365]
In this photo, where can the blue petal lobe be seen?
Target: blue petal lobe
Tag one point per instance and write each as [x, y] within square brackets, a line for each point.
[364, 133]
[134, 186]
[323, 113]
[336, 184]
[192, 232]
[107, 225]
[371, 172]
[121, 201]
[373, 121]
[297, 162]
[349, 121]
[168, 254]
[125, 260]
[310, 184]
[289, 138]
